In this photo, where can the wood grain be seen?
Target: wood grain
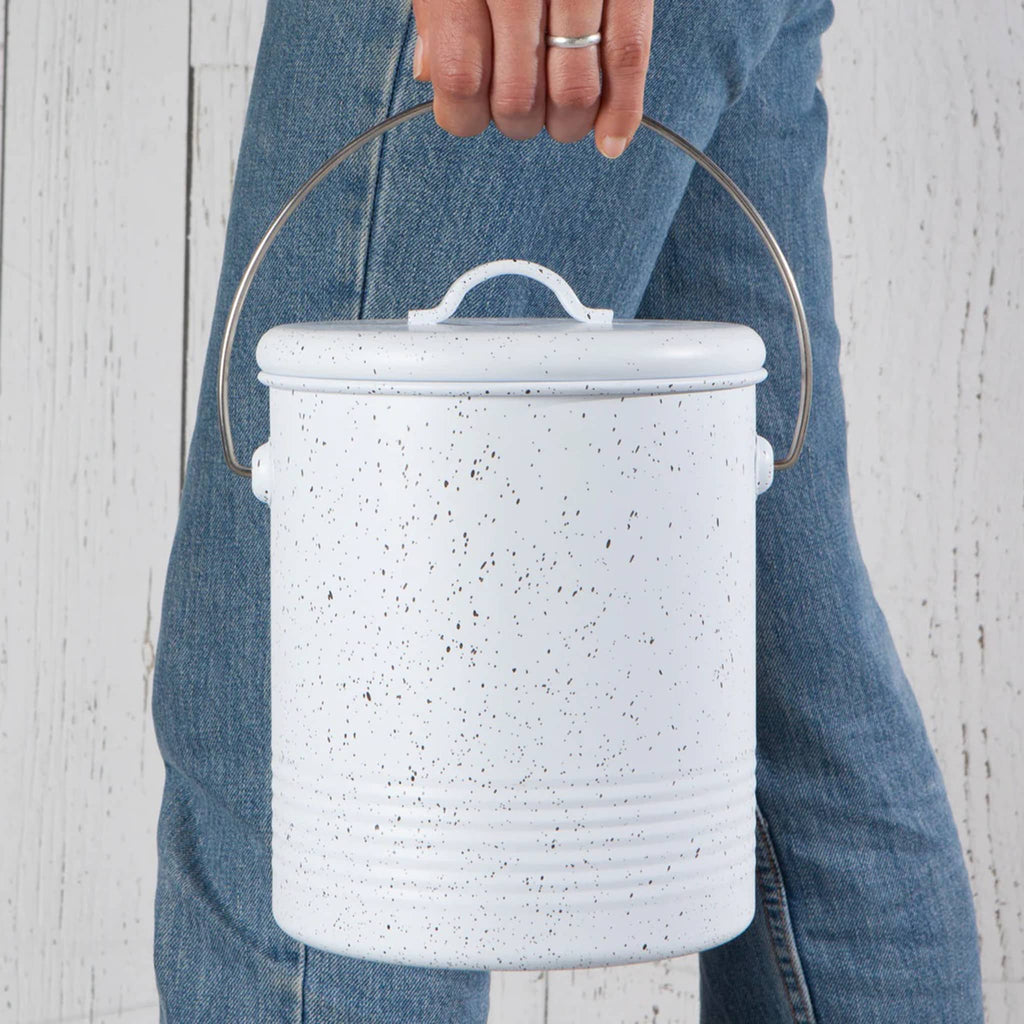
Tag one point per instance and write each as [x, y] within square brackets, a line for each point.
[664, 992]
[102, 337]
[929, 241]
[226, 32]
[219, 95]
[90, 397]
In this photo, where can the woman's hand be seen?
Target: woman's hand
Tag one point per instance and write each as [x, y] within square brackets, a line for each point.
[488, 60]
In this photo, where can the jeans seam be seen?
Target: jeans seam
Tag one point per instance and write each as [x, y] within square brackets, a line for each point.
[780, 926]
[379, 161]
[303, 954]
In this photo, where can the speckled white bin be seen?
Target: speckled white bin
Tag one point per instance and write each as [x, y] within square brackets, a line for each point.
[512, 620]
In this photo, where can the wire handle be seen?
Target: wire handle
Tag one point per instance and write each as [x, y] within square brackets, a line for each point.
[463, 284]
[716, 172]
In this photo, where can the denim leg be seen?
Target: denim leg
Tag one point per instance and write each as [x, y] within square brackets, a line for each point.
[219, 955]
[389, 231]
[877, 902]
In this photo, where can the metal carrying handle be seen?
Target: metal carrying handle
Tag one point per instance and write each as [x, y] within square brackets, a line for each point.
[496, 268]
[716, 172]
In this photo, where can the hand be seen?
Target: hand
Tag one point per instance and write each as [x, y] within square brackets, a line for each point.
[488, 59]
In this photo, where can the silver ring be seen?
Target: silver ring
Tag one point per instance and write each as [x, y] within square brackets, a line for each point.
[574, 42]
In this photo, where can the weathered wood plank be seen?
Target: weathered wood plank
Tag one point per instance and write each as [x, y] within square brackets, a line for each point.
[148, 1013]
[1004, 1001]
[929, 242]
[226, 32]
[664, 992]
[3, 88]
[90, 375]
[518, 997]
[219, 98]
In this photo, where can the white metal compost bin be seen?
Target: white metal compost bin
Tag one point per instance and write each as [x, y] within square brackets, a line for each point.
[512, 632]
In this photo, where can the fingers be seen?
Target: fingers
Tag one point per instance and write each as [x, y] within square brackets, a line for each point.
[420, 54]
[574, 83]
[487, 58]
[459, 43]
[517, 80]
[625, 53]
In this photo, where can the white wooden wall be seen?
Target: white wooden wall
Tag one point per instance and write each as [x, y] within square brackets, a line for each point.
[105, 302]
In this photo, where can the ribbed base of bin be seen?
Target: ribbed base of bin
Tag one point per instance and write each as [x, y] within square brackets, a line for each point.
[464, 938]
[503, 879]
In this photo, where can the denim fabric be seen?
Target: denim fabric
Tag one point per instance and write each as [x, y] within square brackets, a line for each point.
[864, 912]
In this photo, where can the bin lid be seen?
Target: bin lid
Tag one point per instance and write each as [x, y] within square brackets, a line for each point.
[485, 350]
[434, 351]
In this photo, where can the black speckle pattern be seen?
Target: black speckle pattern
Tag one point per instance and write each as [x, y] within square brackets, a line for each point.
[512, 673]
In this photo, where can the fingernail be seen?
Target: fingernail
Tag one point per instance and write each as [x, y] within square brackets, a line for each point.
[417, 58]
[613, 145]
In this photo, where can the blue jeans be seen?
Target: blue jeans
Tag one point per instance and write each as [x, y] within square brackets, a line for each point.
[863, 912]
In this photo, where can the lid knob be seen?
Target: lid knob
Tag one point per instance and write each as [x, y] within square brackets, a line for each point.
[496, 268]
